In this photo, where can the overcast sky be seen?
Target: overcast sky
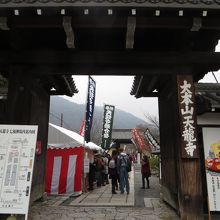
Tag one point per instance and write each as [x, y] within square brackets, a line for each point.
[115, 90]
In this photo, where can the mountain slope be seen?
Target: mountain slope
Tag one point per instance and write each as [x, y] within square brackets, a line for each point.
[74, 113]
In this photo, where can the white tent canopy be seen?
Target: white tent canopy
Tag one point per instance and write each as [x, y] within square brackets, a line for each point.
[59, 137]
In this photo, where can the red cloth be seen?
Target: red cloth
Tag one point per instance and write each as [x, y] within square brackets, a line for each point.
[63, 171]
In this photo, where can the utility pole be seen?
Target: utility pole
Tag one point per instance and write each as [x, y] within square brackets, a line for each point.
[61, 121]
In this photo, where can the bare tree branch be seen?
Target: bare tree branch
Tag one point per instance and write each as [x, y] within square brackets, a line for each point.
[153, 120]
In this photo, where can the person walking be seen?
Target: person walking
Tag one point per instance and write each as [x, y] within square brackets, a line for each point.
[145, 171]
[112, 169]
[106, 172]
[122, 167]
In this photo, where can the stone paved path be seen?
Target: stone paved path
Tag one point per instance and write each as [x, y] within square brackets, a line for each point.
[98, 213]
[100, 204]
[103, 197]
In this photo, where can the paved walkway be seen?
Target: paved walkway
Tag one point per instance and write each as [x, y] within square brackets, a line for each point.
[142, 194]
[100, 204]
[103, 196]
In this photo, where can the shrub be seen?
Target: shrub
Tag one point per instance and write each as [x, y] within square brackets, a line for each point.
[154, 162]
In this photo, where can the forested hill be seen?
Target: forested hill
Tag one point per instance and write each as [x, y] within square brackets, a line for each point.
[74, 113]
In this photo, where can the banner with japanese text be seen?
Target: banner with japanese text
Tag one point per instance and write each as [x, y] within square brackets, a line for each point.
[187, 116]
[108, 117]
[138, 138]
[17, 153]
[154, 145]
[90, 107]
[211, 141]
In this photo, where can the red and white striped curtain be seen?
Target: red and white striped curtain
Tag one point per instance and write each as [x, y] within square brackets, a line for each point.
[64, 170]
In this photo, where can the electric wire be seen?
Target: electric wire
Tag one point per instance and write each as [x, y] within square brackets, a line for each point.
[64, 123]
[214, 77]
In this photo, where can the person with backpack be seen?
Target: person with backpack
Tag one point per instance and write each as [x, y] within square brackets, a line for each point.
[112, 169]
[123, 164]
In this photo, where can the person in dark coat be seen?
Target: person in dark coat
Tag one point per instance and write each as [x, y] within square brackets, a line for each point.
[145, 171]
[91, 175]
[112, 169]
[99, 167]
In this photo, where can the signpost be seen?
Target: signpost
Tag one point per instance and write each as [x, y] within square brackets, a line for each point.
[17, 152]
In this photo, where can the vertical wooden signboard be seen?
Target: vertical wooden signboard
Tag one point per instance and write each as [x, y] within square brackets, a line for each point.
[187, 117]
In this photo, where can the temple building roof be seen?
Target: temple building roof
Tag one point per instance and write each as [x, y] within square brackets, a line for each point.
[207, 97]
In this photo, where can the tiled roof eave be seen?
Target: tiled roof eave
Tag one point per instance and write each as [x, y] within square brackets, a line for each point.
[191, 4]
[207, 87]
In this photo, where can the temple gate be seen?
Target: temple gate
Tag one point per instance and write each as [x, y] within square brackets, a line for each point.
[166, 45]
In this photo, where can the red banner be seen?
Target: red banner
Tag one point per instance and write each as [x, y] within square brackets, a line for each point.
[82, 129]
[138, 139]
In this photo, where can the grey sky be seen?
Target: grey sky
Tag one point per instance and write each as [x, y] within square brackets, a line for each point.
[115, 90]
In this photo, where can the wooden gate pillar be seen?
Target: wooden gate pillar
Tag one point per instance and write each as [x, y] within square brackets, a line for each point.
[190, 197]
[28, 104]
[167, 119]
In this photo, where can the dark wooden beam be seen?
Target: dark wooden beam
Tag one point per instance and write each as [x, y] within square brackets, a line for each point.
[197, 24]
[152, 84]
[88, 21]
[67, 25]
[139, 86]
[65, 57]
[96, 70]
[144, 94]
[3, 24]
[124, 63]
[131, 25]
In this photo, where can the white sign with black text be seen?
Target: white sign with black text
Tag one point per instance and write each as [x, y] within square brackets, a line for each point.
[86, 165]
[17, 152]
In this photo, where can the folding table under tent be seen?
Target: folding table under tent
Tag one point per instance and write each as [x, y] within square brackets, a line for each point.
[64, 161]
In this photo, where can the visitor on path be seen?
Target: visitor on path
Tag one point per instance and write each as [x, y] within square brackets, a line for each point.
[91, 176]
[112, 169]
[105, 175]
[116, 153]
[99, 167]
[145, 171]
[122, 166]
